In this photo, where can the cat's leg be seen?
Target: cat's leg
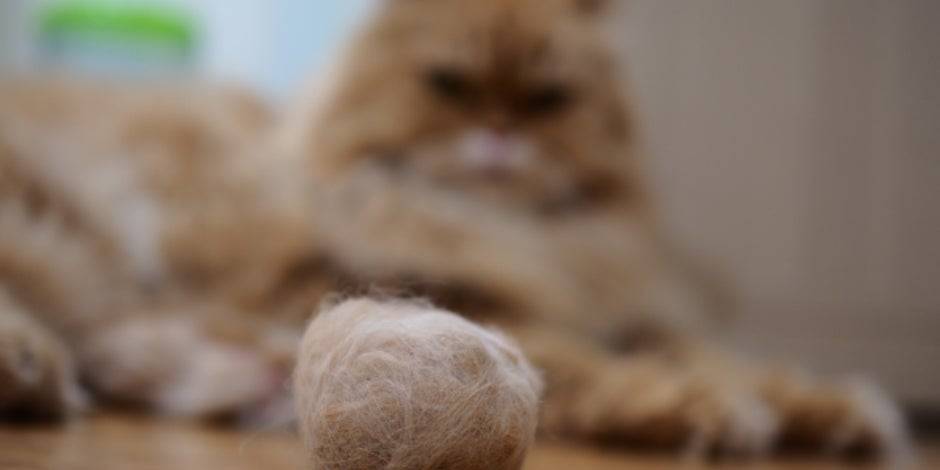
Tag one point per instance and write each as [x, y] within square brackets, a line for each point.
[643, 400]
[700, 402]
[126, 352]
[37, 377]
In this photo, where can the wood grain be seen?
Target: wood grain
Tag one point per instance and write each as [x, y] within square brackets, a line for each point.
[121, 443]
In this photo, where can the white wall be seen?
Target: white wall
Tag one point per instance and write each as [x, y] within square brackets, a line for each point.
[796, 144]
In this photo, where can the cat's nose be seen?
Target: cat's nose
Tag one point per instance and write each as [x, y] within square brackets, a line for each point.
[496, 144]
[492, 150]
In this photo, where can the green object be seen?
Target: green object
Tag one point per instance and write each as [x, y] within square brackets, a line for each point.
[103, 21]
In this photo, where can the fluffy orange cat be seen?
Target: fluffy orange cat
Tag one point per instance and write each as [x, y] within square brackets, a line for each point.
[167, 246]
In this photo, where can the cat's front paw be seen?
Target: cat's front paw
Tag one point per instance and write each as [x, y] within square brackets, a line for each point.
[855, 418]
[690, 414]
[37, 380]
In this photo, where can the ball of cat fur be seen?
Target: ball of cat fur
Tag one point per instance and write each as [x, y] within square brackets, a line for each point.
[401, 385]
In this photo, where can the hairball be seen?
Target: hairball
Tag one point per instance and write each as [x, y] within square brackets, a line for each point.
[401, 385]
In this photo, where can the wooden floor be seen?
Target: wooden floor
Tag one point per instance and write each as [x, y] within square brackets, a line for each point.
[118, 443]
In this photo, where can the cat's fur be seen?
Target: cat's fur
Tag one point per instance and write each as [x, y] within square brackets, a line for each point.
[479, 153]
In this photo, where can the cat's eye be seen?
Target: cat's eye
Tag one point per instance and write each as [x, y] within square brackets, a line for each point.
[548, 100]
[449, 84]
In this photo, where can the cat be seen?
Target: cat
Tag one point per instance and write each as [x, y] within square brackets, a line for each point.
[171, 243]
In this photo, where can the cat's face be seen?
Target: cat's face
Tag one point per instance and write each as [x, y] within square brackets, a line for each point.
[513, 101]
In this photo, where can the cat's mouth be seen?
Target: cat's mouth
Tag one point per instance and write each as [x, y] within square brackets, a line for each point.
[508, 182]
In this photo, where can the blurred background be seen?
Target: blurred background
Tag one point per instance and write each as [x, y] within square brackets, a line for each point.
[795, 144]
[269, 45]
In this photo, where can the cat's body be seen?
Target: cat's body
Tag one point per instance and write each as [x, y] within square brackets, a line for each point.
[478, 153]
